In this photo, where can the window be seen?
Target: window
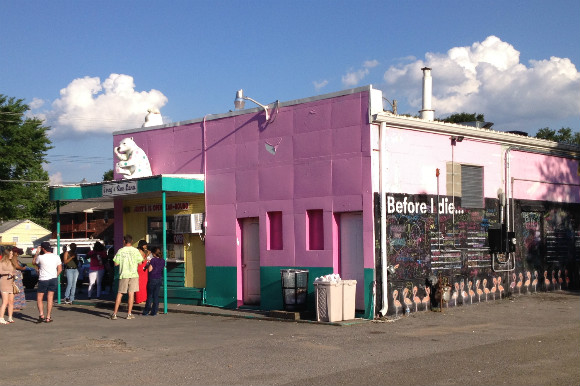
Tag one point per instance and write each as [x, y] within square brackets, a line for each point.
[155, 230]
[275, 240]
[466, 181]
[472, 186]
[314, 230]
[15, 239]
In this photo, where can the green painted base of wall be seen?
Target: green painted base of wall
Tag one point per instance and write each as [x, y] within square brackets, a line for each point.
[369, 294]
[221, 289]
[271, 283]
[184, 295]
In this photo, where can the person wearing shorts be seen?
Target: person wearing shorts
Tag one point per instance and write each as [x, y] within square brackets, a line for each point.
[127, 259]
[49, 267]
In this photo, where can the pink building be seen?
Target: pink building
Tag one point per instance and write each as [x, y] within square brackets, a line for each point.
[336, 184]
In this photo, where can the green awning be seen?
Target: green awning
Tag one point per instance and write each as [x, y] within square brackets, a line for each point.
[173, 184]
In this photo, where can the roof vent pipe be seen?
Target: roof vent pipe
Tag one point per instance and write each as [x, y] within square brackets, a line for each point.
[427, 112]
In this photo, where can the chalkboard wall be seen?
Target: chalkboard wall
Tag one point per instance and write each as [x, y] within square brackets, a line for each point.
[435, 239]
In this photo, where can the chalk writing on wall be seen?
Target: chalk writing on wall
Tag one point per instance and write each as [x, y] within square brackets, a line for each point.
[424, 242]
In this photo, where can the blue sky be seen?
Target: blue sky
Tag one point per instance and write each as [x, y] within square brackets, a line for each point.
[90, 68]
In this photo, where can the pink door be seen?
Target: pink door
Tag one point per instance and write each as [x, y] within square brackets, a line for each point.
[251, 261]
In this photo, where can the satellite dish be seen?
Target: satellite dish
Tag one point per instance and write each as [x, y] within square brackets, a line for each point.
[270, 149]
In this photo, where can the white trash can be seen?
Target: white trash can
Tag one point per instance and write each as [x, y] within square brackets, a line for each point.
[348, 299]
[328, 301]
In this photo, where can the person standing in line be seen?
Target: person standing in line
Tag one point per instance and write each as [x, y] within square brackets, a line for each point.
[128, 259]
[20, 297]
[7, 273]
[109, 276]
[98, 258]
[49, 267]
[71, 267]
[155, 268]
[141, 295]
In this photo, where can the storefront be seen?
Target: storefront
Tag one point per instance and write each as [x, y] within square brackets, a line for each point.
[144, 207]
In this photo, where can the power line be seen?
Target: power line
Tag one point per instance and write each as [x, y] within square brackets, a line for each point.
[26, 181]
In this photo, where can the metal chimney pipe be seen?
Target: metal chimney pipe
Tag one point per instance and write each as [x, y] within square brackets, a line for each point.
[427, 112]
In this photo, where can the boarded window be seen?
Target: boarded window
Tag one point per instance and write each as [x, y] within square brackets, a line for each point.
[315, 229]
[275, 241]
[472, 186]
[466, 181]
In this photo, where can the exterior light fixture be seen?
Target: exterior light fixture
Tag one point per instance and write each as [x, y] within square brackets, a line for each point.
[240, 102]
[455, 139]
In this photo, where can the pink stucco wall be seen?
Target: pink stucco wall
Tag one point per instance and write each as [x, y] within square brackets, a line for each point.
[541, 177]
[322, 161]
[414, 156]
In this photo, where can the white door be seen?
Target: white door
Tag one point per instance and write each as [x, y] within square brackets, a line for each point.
[351, 253]
[251, 261]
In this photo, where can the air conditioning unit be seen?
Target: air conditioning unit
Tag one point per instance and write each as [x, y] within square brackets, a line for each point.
[188, 223]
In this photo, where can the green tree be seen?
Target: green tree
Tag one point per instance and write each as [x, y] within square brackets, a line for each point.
[108, 175]
[563, 135]
[464, 117]
[23, 181]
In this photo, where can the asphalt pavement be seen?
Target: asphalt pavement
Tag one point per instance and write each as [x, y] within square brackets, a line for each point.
[525, 340]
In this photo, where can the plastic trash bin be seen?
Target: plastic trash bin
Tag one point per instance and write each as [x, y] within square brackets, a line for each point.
[328, 301]
[348, 299]
[294, 288]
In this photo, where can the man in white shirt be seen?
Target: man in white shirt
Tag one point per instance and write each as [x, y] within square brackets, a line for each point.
[49, 267]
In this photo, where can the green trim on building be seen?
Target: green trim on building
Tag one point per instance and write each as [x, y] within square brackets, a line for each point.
[221, 286]
[369, 294]
[271, 286]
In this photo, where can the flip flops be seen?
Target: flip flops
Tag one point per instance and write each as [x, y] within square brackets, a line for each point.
[47, 320]
[40, 319]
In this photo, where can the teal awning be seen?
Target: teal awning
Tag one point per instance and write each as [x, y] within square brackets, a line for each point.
[148, 186]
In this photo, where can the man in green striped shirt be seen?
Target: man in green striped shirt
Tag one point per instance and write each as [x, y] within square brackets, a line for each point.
[127, 259]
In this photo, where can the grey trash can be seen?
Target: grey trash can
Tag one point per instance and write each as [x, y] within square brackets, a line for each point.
[294, 289]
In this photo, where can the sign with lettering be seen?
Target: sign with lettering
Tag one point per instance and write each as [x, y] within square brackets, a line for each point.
[119, 188]
[398, 206]
[157, 207]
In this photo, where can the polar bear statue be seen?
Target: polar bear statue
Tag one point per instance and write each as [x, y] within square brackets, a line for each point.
[133, 162]
[153, 118]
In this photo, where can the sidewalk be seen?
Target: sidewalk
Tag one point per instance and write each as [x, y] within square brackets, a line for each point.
[275, 315]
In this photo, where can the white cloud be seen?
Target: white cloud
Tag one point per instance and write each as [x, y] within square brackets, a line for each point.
[36, 103]
[354, 77]
[88, 105]
[489, 78]
[56, 178]
[370, 63]
[319, 85]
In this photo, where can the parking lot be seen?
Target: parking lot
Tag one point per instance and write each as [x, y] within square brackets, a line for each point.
[527, 340]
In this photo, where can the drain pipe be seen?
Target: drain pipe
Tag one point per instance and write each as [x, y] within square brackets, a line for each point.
[382, 189]
[509, 190]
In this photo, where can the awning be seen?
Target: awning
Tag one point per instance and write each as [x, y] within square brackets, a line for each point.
[172, 184]
[168, 185]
